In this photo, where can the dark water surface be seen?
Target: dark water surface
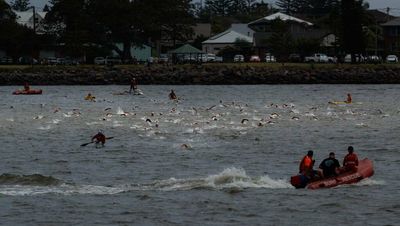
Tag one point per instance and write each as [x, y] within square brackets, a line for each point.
[232, 173]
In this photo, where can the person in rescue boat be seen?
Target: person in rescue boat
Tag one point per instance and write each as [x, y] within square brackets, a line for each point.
[99, 138]
[307, 164]
[330, 166]
[350, 161]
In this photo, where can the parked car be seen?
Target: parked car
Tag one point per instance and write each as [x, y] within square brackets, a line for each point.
[209, 57]
[255, 58]
[99, 60]
[27, 60]
[269, 58]
[392, 59]
[112, 60]
[359, 58]
[317, 58]
[295, 58]
[374, 59]
[238, 58]
[6, 60]
[163, 58]
[219, 59]
[50, 60]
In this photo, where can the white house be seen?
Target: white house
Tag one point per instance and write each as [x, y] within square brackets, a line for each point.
[227, 38]
[26, 19]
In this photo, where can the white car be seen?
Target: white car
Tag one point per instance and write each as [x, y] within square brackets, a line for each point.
[238, 58]
[392, 59]
[359, 58]
[255, 58]
[99, 60]
[270, 58]
[209, 57]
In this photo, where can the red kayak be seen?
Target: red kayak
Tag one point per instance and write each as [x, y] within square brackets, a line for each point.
[28, 92]
[365, 169]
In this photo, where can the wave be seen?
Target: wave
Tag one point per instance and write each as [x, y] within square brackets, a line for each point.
[369, 182]
[229, 180]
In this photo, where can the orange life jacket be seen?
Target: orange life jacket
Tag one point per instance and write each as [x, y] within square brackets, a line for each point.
[306, 164]
[350, 159]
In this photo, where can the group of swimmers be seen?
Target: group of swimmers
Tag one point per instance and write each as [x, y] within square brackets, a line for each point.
[329, 167]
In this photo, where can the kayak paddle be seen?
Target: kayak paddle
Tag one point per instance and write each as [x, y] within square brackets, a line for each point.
[85, 144]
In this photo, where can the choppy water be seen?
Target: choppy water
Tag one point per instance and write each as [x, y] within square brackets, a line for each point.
[242, 145]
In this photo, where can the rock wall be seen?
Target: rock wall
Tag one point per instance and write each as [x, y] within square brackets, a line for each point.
[204, 75]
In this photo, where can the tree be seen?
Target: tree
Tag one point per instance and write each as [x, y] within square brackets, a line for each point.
[352, 33]
[69, 22]
[290, 6]
[20, 5]
[14, 38]
[6, 14]
[116, 21]
[219, 7]
[46, 8]
[168, 20]
[281, 41]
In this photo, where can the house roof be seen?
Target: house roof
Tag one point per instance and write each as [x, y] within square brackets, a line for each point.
[280, 16]
[242, 29]
[228, 37]
[394, 22]
[380, 16]
[185, 49]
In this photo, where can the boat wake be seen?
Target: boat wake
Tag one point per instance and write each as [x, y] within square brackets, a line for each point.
[229, 180]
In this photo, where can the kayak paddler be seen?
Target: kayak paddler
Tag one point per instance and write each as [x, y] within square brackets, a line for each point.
[90, 97]
[26, 86]
[349, 100]
[99, 138]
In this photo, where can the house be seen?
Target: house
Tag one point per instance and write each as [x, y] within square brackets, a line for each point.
[228, 38]
[377, 17]
[26, 19]
[297, 28]
[391, 33]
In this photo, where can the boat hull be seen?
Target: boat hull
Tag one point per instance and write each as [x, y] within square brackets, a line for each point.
[365, 169]
[28, 92]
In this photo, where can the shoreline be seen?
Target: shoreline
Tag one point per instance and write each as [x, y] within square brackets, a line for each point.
[207, 74]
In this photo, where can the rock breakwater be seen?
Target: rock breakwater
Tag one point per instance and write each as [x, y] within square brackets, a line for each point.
[203, 75]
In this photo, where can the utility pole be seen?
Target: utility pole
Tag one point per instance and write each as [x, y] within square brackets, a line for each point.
[376, 38]
[34, 19]
[387, 13]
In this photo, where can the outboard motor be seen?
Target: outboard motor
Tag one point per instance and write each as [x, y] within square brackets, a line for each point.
[299, 181]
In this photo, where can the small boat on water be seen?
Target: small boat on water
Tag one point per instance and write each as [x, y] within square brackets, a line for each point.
[365, 169]
[28, 92]
[135, 92]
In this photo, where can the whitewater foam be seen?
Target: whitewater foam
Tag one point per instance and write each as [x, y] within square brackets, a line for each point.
[231, 179]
